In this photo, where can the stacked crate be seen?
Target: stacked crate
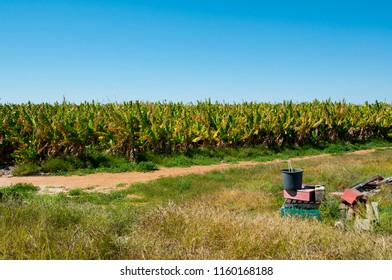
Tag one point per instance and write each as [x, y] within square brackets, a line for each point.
[304, 201]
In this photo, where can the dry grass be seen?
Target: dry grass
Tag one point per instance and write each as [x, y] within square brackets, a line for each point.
[233, 214]
[242, 221]
[207, 230]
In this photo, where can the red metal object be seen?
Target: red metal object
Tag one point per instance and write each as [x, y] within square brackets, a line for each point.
[351, 195]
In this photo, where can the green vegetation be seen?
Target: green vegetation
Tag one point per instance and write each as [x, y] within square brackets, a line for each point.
[214, 155]
[101, 162]
[18, 191]
[219, 215]
[36, 132]
[97, 162]
[231, 214]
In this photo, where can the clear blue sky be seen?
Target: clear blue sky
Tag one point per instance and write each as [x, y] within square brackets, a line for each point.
[188, 50]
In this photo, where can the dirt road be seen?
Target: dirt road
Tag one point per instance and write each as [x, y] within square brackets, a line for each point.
[103, 182]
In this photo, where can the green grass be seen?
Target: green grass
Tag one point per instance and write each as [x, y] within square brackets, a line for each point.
[18, 191]
[210, 155]
[93, 163]
[230, 214]
[27, 169]
[97, 162]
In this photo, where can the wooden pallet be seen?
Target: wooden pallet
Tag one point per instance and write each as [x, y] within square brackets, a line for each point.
[293, 203]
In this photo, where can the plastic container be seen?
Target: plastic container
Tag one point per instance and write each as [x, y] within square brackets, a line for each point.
[320, 193]
[292, 178]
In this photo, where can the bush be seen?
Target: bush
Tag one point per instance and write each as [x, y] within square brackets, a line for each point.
[18, 191]
[75, 192]
[27, 169]
[145, 166]
[56, 165]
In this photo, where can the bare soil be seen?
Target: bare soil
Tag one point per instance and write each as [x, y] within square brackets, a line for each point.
[105, 182]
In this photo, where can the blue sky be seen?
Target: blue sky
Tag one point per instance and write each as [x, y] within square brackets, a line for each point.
[188, 50]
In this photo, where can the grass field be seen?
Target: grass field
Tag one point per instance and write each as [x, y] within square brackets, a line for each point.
[98, 162]
[231, 214]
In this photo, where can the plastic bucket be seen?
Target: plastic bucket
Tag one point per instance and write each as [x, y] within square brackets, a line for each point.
[292, 178]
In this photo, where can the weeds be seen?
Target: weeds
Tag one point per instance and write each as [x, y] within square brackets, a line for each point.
[145, 166]
[75, 192]
[211, 155]
[18, 191]
[205, 231]
[61, 227]
[27, 169]
[231, 214]
[96, 162]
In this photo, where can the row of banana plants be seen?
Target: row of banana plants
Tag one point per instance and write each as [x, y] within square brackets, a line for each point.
[37, 131]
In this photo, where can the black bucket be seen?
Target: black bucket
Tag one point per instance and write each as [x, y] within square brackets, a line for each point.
[292, 178]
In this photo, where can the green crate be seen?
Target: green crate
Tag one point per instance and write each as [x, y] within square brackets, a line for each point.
[306, 213]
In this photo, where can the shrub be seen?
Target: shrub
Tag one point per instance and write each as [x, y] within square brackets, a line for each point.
[145, 166]
[18, 191]
[56, 165]
[27, 169]
[75, 192]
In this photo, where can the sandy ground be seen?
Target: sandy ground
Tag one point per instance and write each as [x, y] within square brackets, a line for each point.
[104, 182]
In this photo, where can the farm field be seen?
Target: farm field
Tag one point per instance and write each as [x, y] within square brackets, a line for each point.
[195, 139]
[212, 204]
[36, 132]
[222, 214]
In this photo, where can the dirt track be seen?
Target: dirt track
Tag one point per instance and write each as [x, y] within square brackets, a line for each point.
[103, 182]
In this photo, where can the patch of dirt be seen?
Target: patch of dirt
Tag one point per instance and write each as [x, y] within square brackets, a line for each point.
[134, 196]
[51, 190]
[363, 152]
[105, 182]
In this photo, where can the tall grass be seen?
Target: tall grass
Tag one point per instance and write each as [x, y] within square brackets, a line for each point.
[206, 231]
[241, 220]
[231, 214]
[61, 227]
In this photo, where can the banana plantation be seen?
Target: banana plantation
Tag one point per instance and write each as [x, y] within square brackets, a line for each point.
[31, 132]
